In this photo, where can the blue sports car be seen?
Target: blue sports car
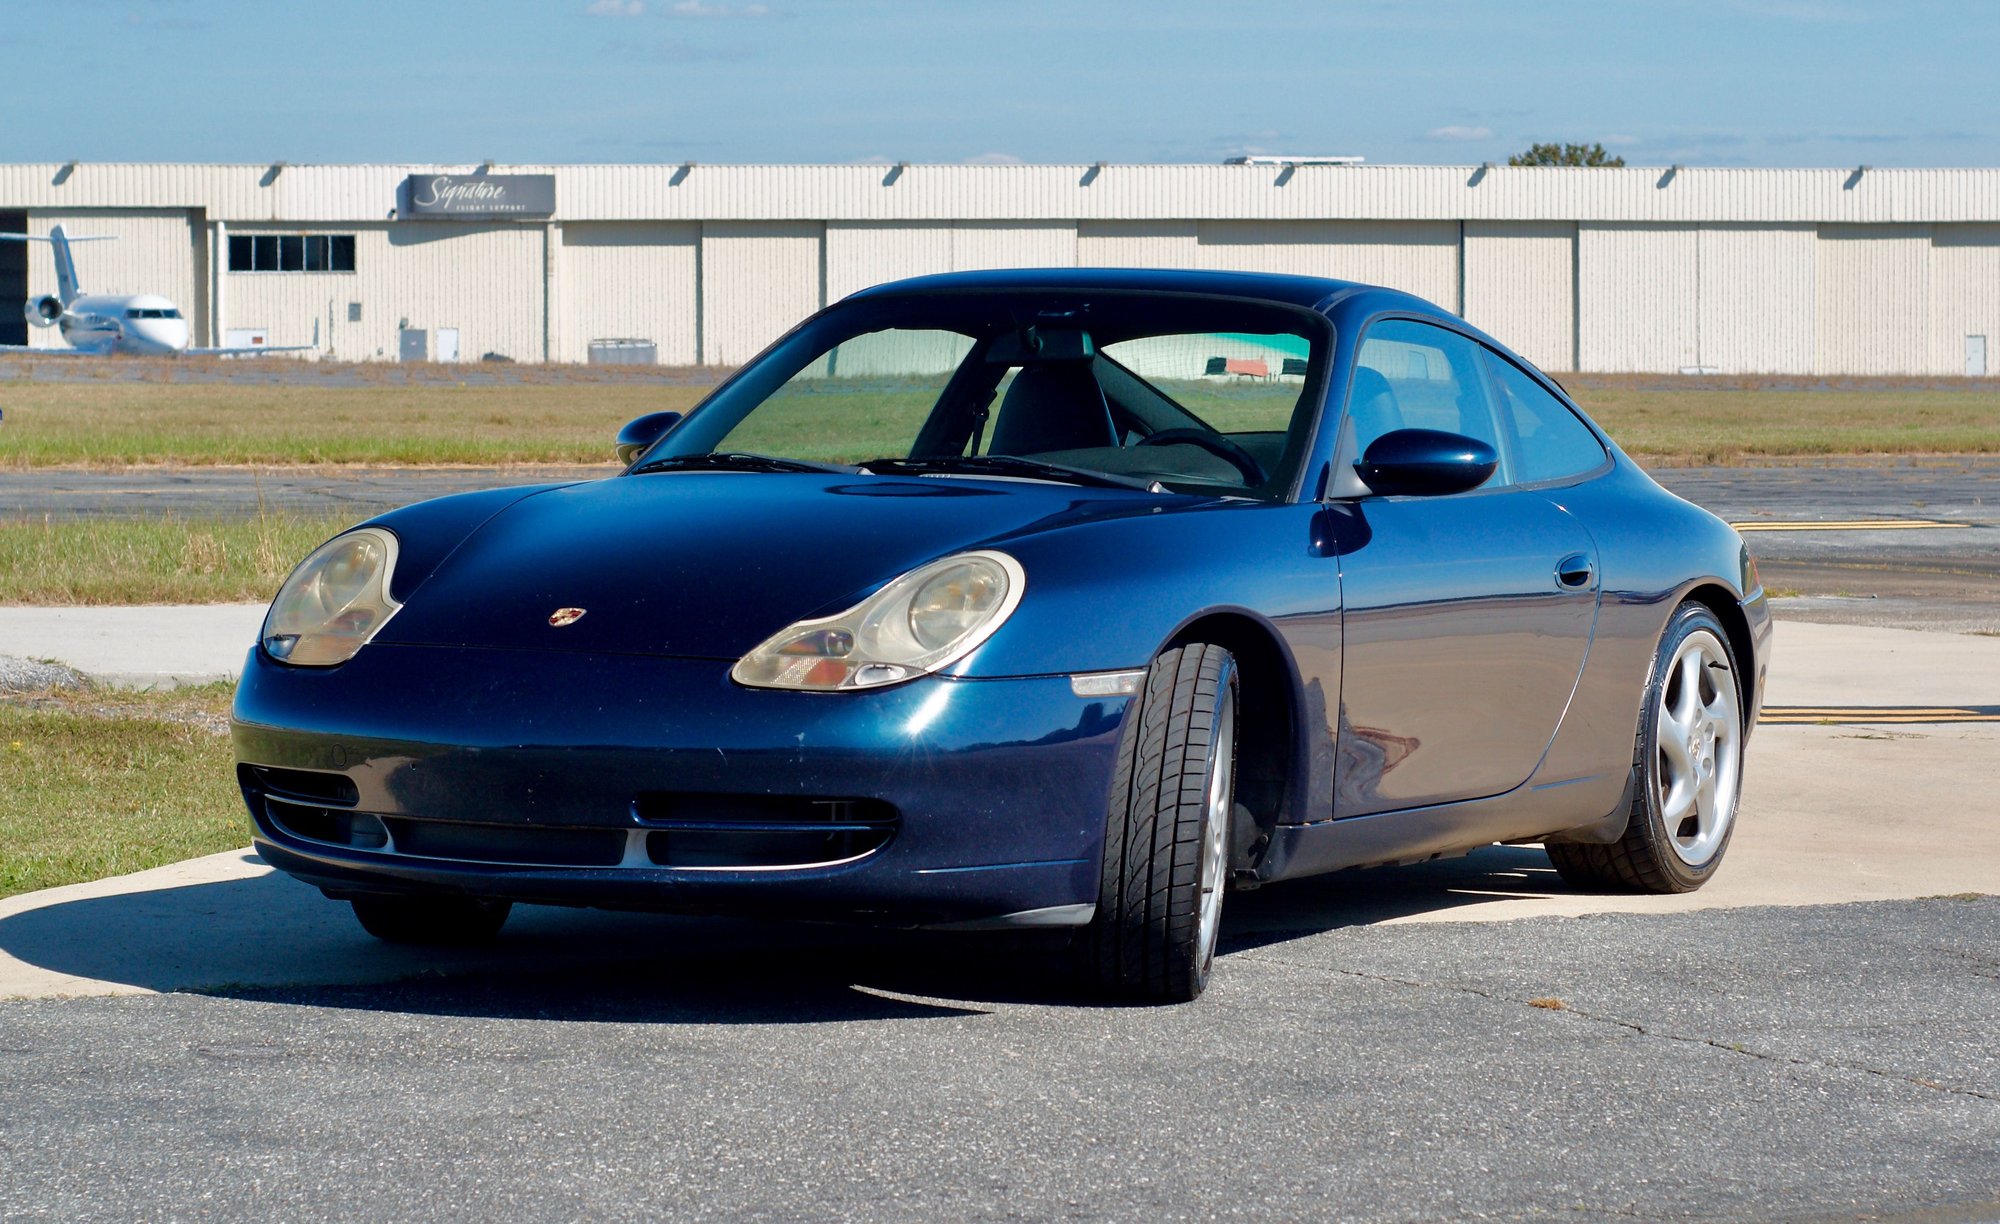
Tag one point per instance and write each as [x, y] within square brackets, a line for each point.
[1062, 599]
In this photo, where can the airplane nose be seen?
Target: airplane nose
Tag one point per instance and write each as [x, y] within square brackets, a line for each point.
[165, 335]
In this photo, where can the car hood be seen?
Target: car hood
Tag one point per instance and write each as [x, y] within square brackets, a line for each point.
[708, 564]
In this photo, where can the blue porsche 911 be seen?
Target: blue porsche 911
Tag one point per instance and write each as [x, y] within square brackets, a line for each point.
[1063, 599]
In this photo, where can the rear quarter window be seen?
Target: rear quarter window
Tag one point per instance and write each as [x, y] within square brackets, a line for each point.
[1549, 442]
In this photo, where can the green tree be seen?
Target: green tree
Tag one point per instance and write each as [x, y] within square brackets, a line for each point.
[1565, 155]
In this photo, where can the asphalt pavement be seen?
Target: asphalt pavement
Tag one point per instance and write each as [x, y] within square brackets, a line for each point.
[1794, 1064]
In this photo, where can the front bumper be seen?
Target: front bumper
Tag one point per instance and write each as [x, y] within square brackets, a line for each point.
[976, 801]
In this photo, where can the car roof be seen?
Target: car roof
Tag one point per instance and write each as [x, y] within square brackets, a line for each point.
[1312, 292]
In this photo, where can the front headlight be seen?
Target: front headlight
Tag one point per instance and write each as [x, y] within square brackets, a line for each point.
[929, 618]
[334, 602]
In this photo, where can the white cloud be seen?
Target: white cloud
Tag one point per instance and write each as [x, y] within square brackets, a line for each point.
[993, 159]
[616, 8]
[701, 8]
[1459, 133]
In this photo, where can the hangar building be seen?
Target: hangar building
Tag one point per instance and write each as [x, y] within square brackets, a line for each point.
[1739, 271]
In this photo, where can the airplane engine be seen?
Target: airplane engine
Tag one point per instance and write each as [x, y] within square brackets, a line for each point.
[44, 310]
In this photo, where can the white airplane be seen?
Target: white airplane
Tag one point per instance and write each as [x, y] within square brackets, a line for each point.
[99, 324]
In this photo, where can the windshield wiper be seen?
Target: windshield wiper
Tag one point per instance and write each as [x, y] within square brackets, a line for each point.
[732, 461]
[1008, 465]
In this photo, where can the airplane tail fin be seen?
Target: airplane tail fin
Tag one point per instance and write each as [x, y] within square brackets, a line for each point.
[66, 286]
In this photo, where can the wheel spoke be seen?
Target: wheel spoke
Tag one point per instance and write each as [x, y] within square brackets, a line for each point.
[1681, 799]
[1673, 738]
[1688, 700]
[1704, 806]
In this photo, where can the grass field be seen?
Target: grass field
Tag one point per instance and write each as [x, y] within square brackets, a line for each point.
[161, 560]
[1731, 426]
[116, 424]
[96, 784]
[103, 423]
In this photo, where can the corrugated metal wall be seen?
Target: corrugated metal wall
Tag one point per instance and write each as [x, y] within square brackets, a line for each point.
[1419, 257]
[629, 280]
[1757, 303]
[1873, 294]
[1965, 294]
[1041, 192]
[1640, 270]
[1520, 285]
[1635, 298]
[758, 278]
[484, 280]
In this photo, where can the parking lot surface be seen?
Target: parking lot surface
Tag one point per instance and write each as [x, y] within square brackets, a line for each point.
[1809, 1063]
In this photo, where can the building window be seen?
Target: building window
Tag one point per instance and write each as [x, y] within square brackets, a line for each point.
[291, 252]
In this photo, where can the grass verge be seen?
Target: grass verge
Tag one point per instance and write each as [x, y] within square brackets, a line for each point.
[118, 424]
[105, 423]
[1684, 427]
[163, 560]
[95, 784]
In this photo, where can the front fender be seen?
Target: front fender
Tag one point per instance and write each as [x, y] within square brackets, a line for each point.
[1106, 596]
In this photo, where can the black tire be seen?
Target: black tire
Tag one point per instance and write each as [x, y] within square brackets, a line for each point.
[1145, 943]
[1644, 859]
[431, 920]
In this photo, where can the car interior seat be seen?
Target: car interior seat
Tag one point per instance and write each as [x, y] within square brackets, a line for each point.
[1054, 407]
[1372, 409]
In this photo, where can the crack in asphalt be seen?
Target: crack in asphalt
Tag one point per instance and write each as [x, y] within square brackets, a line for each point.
[1643, 1031]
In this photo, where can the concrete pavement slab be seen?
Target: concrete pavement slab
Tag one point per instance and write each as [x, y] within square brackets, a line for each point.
[157, 646]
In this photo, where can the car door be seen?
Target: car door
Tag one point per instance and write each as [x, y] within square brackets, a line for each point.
[1467, 616]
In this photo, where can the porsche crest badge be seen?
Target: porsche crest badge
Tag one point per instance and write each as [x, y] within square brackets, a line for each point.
[565, 616]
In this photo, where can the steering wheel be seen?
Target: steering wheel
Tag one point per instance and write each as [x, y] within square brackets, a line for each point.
[1215, 444]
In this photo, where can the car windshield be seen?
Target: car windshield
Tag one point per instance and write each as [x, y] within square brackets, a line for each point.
[1187, 393]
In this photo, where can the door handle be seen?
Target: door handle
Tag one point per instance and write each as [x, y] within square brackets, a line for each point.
[1574, 572]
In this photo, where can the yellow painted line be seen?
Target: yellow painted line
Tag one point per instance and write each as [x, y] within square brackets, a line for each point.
[1823, 711]
[1847, 525]
[1881, 716]
[1881, 719]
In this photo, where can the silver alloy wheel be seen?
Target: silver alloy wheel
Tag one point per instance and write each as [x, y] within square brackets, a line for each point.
[1699, 743]
[1215, 832]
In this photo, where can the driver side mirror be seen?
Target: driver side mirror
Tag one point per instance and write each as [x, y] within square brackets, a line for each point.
[1425, 463]
[642, 432]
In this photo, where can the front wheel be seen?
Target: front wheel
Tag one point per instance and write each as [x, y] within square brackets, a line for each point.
[1166, 841]
[1688, 770]
[431, 920]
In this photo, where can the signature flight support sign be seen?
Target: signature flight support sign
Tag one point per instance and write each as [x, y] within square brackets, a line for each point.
[478, 197]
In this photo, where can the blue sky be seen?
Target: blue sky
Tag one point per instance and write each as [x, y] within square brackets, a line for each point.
[1701, 82]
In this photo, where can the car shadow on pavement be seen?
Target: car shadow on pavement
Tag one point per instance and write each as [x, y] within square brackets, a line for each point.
[265, 937]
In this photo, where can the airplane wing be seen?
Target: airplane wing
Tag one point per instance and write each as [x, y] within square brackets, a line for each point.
[253, 350]
[257, 350]
[45, 352]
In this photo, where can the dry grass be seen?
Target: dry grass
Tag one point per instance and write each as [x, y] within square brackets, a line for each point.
[163, 560]
[122, 423]
[114, 423]
[1729, 425]
[95, 785]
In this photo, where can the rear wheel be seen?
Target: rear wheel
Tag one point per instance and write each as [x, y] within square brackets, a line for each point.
[1689, 769]
[431, 920]
[1166, 843]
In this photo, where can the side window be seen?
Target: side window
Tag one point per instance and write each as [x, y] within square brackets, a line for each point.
[1549, 442]
[1412, 375]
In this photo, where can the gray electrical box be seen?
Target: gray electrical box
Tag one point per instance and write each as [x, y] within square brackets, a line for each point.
[624, 352]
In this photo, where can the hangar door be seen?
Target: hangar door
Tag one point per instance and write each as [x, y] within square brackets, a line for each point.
[13, 280]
